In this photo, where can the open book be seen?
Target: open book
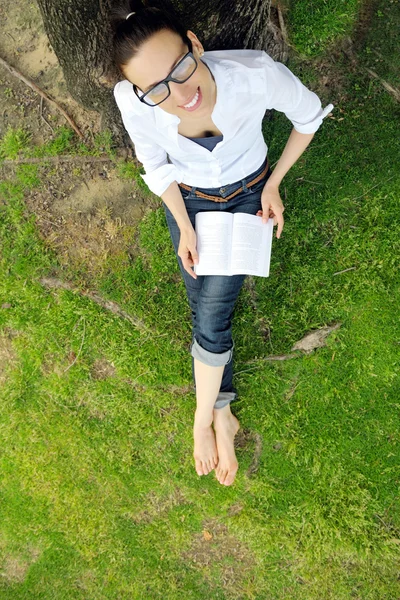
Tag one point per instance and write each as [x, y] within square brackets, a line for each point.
[233, 244]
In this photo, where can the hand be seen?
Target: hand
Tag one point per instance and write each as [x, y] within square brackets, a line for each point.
[187, 250]
[272, 206]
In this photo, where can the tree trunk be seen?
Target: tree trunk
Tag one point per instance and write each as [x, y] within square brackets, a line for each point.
[79, 33]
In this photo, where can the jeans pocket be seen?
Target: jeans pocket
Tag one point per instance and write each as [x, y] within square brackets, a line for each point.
[256, 188]
[187, 194]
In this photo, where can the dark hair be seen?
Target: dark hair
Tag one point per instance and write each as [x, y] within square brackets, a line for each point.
[130, 34]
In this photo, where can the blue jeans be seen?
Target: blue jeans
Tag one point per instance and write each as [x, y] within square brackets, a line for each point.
[212, 297]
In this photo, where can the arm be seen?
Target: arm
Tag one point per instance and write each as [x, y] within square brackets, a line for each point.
[161, 177]
[286, 93]
[270, 198]
[294, 148]
[187, 251]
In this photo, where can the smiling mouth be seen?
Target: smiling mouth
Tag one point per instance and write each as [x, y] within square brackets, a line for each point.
[194, 102]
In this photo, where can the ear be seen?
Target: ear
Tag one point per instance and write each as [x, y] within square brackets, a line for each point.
[195, 41]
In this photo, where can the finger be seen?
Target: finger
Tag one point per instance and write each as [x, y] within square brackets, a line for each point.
[187, 263]
[281, 221]
[188, 269]
[195, 255]
[265, 213]
[191, 273]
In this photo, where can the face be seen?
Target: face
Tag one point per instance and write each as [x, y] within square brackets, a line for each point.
[154, 62]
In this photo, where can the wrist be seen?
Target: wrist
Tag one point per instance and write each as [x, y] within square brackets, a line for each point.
[185, 226]
[273, 183]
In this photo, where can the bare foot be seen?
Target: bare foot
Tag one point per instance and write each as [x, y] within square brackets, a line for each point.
[205, 449]
[226, 427]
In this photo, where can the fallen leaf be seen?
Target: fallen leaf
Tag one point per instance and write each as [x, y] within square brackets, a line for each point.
[315, 339]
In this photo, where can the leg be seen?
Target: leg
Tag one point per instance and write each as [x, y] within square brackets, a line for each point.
[227, 393]
[208, 382]
[212, 339]
[226, 426]
[212, 351]
[205, 449]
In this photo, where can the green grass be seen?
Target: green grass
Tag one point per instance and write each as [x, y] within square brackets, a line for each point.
[99, 497]
[316, 25]
[13, 142]
[18, 142]
[128, 170]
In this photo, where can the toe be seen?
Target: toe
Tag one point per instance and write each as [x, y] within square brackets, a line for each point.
[230, 477]
[199, 469]
[222, 476]
[206, 470]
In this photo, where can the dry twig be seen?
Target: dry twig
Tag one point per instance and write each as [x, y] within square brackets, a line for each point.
[56, 159]
[79, 351]
[345, 270]
[389, 88]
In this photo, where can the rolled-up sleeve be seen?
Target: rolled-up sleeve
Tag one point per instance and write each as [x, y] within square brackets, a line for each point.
[159, 173]
[286, 93]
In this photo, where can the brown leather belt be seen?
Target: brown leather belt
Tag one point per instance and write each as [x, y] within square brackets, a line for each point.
[218, 198]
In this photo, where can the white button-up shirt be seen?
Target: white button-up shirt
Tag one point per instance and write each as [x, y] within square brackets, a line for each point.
[248, 83]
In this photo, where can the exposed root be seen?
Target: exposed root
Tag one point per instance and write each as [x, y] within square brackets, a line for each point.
[43, 94]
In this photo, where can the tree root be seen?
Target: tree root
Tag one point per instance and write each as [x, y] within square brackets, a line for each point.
[62, 159]
[311, 341]
[43, 94]
[54, 283]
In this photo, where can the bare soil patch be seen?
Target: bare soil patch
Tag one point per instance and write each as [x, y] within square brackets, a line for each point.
[14, 568]
[157, 506]
[215, 548]
[102, 369]
[7, 353]
[87, 214]
[84, 211]
[25, 46]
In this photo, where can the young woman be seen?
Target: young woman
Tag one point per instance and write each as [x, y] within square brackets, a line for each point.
[195, 120]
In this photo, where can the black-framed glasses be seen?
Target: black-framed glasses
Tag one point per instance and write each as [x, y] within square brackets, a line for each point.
[179, 74]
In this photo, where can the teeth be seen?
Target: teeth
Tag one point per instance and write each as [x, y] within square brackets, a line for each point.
[193, 102]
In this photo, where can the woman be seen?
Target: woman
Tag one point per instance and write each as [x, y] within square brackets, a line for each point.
[195, 119]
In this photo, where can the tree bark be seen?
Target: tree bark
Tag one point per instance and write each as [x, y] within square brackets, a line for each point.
[80, 35]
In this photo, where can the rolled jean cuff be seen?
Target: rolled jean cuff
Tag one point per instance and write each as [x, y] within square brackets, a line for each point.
[224, 398]
[212, 359]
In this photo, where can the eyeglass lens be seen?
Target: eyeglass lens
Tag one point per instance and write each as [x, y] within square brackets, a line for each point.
[181, 73]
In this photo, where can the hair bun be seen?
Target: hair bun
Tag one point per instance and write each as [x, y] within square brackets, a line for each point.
[121, 12]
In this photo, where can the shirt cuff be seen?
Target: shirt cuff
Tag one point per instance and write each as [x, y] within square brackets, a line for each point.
[160, 179]
[312, 126]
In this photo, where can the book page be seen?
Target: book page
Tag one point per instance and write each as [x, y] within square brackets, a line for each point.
[251, 245]
[214, 240]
